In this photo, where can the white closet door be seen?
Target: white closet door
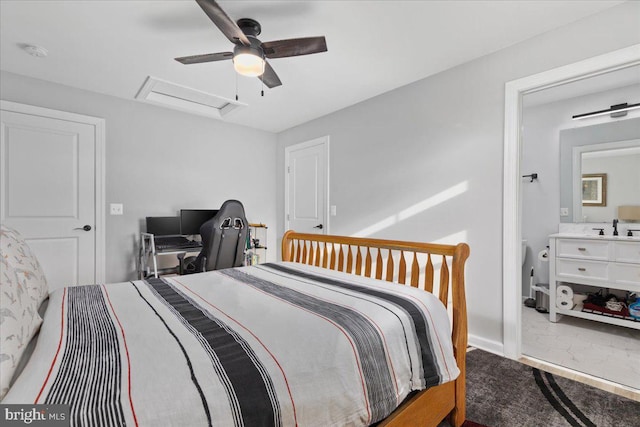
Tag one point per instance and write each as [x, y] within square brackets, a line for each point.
[48, 192]
[307, 187]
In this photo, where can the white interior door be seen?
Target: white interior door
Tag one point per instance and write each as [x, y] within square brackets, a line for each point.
[307, 187]
[48, 191]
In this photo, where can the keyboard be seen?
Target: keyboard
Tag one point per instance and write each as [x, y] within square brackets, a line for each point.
[176, 242]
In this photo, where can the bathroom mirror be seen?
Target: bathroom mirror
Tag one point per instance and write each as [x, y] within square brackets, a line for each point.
[619, 164]
[612, 149]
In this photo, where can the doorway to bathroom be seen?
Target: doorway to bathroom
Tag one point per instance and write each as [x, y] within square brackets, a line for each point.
[536, 109]
[610, 148]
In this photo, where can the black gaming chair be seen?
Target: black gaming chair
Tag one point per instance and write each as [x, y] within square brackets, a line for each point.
[224, 238]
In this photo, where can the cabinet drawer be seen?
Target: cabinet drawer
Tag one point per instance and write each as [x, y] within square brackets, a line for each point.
[626, 252]
[573, 269]
[626, 274]
[586, 249]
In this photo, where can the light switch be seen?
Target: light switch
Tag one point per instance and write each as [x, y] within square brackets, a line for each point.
[116, 208]
[333, 210]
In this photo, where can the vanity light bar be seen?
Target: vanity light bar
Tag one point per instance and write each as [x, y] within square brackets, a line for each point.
[614, 110]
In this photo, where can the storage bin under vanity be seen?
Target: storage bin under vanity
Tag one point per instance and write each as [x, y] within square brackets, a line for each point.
[587, 264]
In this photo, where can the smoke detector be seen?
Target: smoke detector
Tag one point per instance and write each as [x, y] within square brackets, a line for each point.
[37, 51]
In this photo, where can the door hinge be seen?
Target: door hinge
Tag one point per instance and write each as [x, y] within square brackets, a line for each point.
[288, 217]
[288, 169]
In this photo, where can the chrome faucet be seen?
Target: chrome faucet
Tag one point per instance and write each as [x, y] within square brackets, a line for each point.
[615, 227]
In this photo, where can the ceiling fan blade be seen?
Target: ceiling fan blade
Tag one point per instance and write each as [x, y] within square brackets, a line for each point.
[207, 57]
[229, 28]
[294, 47]
[269, 77]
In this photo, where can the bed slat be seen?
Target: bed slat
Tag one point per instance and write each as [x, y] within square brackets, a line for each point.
[318, 255]
[298, 251]
[325, 255]
[358, 262]
[311, 253]
[402, 274]
[389, 267]
[415, 271]
[305, 251]
[444, 282]
[332, 264]
[428, 275]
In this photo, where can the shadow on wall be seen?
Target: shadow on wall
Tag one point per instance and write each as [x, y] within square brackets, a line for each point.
[422, 206]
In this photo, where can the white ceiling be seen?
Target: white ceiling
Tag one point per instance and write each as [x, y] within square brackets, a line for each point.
[373, 46]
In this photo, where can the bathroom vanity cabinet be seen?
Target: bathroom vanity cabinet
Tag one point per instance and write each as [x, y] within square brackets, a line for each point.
[596, 261]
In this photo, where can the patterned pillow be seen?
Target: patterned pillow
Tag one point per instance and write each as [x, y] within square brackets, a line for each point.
[23, 287]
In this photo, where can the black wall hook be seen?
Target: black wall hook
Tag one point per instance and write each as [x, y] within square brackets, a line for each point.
[533, 176]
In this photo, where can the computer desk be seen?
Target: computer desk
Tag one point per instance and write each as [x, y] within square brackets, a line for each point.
[148, 257]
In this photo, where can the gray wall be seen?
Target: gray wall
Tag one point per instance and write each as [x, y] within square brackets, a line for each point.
[400, 148]
[160, 160]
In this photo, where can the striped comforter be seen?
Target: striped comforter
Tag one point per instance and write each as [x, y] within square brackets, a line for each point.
[270, 345]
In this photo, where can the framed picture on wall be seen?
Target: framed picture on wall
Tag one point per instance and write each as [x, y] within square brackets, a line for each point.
[594, 189]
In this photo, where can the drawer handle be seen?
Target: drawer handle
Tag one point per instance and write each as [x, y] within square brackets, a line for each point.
[582, 269]
[582, 249]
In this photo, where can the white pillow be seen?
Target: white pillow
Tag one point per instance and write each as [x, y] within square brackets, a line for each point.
[23, 287]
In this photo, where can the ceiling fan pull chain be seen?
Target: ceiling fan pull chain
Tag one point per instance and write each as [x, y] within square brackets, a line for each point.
[262, 79]
[236, 86]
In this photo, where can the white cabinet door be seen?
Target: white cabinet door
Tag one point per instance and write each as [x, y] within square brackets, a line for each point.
[48, 192]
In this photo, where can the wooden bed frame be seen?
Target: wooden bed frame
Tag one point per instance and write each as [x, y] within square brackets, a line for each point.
[356, 256]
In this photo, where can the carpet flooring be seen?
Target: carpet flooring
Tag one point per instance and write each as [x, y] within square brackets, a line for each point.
[505, 393]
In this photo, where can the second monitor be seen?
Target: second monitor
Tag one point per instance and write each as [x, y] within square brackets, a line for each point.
[192, 219]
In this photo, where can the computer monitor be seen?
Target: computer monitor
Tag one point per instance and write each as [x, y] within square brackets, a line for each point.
[163, 225]
[192, 219]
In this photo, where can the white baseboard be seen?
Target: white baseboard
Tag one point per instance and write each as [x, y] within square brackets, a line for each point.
[494, 347]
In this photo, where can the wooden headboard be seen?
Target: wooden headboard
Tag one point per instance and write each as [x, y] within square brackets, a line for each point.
[408, 263]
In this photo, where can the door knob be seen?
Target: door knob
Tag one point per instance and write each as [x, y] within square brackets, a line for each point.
[318, 226]
[85, 228]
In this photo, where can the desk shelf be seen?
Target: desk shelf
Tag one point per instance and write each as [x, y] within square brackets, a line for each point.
[256, 249]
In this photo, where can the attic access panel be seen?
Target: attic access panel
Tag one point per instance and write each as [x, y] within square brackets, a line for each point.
[171, 95]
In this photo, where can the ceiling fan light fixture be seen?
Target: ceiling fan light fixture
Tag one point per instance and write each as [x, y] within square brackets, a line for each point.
[248, 64]
[249, 54]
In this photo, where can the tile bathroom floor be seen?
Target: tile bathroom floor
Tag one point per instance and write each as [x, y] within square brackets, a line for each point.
[598, 349]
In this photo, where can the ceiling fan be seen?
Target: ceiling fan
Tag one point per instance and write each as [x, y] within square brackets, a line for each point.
[249, 54]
